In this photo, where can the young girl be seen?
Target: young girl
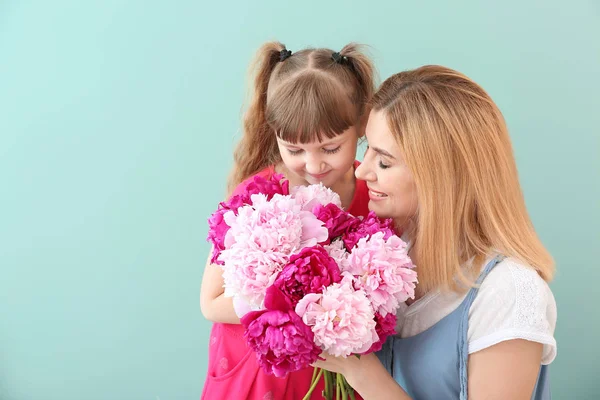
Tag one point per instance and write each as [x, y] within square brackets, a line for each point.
[306, 116]
[440, 163]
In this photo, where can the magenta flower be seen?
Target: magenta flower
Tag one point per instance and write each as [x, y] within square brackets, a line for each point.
[386, 326]
[367, 227]
[269, 187]
[309, 271]
[337, 221]
[282, 341]
[217, 227]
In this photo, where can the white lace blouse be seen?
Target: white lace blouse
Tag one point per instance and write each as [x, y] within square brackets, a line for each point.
[514, 302]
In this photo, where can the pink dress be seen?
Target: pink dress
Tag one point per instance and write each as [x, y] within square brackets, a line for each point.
[233, 369]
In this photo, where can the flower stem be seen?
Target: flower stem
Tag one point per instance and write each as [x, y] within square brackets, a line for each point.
[338, 387]
[327, 393]
[313, 385]
[331, 384]
[349, 388]
[344, 387]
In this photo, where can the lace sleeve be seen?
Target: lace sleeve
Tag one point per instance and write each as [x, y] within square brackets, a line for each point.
[514, 302]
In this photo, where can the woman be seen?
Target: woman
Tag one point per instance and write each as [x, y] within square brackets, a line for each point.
[440, 163]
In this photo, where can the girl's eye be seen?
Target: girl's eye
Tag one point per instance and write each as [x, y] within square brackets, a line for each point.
[295, 152]
[332, 151]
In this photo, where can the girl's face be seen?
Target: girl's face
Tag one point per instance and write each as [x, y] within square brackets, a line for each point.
[392, 189]
[327, 162]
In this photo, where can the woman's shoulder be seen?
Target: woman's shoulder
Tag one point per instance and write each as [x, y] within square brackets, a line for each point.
[513, 302]
[516, 280]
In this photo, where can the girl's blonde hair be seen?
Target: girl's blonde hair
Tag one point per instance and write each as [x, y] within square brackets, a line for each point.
[455, 141]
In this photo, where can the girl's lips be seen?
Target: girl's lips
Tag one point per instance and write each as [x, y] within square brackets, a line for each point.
[320, 176]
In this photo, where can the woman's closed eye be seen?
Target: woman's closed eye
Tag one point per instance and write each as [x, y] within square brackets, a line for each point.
[382, 165]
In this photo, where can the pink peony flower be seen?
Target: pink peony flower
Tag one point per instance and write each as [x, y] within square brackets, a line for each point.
[309, 271]
[381, 267]
[313, 195]
[386, 326]
[282, 341]
[367, 227]
[261, 238]
[341, 319]
[268, 187]
[217, 227]
[337, 221]
[337, 251]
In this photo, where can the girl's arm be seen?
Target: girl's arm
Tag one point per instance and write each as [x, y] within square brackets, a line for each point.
[213, 303]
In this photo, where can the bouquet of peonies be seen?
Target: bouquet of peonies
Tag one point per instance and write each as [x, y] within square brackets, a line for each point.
[307, 277]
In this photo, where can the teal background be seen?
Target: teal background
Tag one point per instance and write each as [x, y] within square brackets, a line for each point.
[117, 121]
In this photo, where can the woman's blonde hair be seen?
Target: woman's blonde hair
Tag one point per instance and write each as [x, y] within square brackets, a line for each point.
[300, 97]
[454, 140]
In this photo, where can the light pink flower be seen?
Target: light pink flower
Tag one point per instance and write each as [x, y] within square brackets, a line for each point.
[261, 238]
[381, 267]
[337, 251]
[216, 223]
[341, 319]
[313, 195]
